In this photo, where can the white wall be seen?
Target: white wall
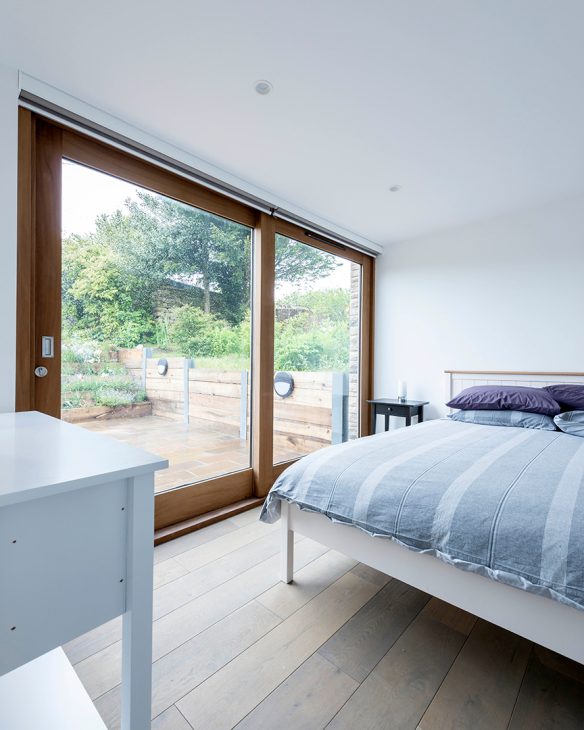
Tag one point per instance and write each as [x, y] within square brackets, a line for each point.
[505, 294]
[8, 178]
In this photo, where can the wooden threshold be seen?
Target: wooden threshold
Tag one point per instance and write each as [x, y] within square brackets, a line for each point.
[170, 532]
[184, 503]
[196, 523]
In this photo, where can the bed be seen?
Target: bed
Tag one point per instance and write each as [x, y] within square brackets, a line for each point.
[487, 518]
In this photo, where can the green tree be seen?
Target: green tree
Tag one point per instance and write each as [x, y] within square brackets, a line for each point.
[164, 239]
[160, 238]
[328, 305]
[297, 261]
[113, 277]
[100, 300]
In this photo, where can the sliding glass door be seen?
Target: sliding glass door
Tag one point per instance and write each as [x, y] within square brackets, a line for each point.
[171, 317]
[316, 349]
[156, 311]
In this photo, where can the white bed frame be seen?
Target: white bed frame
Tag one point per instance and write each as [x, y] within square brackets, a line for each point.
[537, 618]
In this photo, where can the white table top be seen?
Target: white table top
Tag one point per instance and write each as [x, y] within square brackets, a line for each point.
[40, 455]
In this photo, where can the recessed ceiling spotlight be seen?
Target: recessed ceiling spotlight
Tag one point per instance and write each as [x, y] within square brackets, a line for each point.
[395, 188]
[263, 87]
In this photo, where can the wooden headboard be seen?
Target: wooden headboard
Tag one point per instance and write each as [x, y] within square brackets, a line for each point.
[458, 380]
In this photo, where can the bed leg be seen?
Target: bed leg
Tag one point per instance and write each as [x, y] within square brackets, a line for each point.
[287, 554]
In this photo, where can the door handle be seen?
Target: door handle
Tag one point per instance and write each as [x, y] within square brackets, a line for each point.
[41, 371]
[47, 346]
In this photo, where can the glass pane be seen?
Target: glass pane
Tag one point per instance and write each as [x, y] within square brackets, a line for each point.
[316, 349]
[156, 325]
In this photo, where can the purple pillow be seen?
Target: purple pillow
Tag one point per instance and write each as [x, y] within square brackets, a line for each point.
[570, 396]
[505, 398]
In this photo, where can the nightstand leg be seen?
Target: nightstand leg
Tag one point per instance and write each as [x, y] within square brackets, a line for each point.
[408, 420]
[373, 418]
[387, 421]
[420, 415]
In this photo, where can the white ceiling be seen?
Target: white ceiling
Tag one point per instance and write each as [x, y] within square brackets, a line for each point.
[475, 107]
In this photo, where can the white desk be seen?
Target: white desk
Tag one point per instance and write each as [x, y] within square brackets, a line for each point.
[76, 542]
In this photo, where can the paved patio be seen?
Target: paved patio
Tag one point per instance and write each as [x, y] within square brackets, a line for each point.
[199, 450]
[195, 451]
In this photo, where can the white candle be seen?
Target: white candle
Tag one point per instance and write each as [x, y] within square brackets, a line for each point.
[402, 390]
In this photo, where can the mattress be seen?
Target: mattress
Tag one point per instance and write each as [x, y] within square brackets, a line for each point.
[504, 502]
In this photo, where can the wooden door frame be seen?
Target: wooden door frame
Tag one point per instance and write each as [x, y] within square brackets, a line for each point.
[39, 238]
[41, 147]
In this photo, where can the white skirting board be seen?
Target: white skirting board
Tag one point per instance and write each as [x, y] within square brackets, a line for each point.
[46, 694]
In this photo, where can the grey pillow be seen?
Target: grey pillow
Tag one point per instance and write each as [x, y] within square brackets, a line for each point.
[571, 422]
[518, 419]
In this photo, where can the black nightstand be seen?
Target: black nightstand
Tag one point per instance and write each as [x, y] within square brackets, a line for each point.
[393, 407]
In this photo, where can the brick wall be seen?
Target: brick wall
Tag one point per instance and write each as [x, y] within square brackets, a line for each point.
[354, 319]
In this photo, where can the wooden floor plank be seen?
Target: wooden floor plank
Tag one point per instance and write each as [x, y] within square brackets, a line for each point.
[103, 636]
[402, 685]
[187, 621]
[233, 645]
[93, 641]
[221, 546]
[186, 667]
[172, 548]
[480, 690]
[176, 673]
[375, 576]
[283, 599]
[259, 670]
[551, 696]
[173, 595]
[166, 571]
[101, 672]
[246, 518]
[361, 642]
[305, 701]
[170, 719]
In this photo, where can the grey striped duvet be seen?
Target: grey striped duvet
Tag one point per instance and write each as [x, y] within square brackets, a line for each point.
[504, 502]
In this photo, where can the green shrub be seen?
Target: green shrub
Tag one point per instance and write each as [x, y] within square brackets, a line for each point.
[89, 377]
[113, 397]
[73, 400]
[81, 385]
[295, 354]
[301, 344]
[196, 333]
[77, 368]
[161, 331]
[69, 356]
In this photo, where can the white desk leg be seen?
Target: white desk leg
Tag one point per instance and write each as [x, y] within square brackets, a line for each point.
[287, 555]
[137, 620]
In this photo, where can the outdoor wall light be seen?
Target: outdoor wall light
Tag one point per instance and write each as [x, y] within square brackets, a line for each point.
[283, 384]
[162, 366]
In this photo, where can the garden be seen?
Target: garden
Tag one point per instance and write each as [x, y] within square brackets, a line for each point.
[176, 280]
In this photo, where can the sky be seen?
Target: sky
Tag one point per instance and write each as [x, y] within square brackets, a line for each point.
[87, 193]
